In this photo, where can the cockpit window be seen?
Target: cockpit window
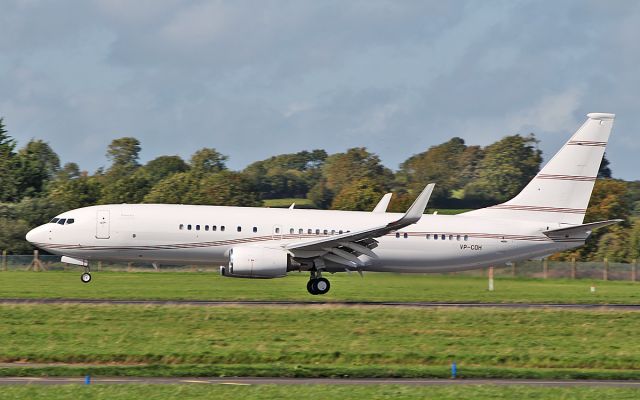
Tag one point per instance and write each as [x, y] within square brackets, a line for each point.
[70, 221]
[53, 221]
[61, 221]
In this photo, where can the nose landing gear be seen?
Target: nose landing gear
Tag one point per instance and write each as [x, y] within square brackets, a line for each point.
[317, 284]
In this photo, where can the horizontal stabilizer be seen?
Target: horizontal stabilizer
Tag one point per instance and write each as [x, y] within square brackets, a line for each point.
[578, 231]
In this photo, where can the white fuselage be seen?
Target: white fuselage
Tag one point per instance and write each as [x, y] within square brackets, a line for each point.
[185, 234]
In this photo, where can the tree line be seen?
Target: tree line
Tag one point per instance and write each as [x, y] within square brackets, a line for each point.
[34, 186]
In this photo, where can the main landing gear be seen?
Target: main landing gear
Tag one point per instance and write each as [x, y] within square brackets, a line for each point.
[317, 284]
[86, 276]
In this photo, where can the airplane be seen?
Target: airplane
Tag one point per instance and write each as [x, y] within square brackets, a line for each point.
[248, 242]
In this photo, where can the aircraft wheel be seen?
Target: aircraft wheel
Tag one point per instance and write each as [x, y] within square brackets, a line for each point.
[321, 286]
[311, 287]
[86, 277]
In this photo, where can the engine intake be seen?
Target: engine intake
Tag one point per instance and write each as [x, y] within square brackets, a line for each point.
[256, 262]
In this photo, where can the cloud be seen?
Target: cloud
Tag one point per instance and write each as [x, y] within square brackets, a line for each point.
[255, 79]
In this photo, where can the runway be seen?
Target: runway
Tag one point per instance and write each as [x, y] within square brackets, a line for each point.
[291, 303]
[315, 381]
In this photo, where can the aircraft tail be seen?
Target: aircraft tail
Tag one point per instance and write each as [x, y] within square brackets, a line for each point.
[562, 189]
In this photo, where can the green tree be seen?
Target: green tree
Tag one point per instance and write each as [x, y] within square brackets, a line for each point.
[226, 188]
[604, 171]
[124, 181]
[174, 189]
[38, 163]
[286, 175]
[124, 154]
[8, 163]
[507, 166]
[207, 161]
[361, 195]
[451, 165]
[164, 166]
[609, 200]
[71, 191]
[344, 169]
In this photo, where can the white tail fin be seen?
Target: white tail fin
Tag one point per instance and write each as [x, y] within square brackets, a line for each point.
[562, 189]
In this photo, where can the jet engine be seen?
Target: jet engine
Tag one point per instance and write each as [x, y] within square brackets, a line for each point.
[256, 262]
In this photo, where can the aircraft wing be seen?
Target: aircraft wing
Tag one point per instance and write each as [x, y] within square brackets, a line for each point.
[342, 247]
[578, 231]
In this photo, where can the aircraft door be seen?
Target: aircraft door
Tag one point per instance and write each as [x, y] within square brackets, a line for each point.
[102, 224]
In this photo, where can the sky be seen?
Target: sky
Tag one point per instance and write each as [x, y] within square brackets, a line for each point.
[259, 78]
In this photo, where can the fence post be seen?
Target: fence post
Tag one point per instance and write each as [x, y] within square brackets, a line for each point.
[129, 267]
[4, 260]
[634, 270]
[605, 271]
[99, 265]
[545, 268]
[513, 269]
[573, 268]
[490, 279]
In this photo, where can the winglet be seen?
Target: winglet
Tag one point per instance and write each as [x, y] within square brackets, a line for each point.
[414, 213]
[383, 203]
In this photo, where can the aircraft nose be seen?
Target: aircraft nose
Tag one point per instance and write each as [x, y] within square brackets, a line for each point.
[35, 235]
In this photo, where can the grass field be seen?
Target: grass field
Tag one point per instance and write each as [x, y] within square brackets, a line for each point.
[323, 340]
[374, 286]
[308, 392]
[285, 203]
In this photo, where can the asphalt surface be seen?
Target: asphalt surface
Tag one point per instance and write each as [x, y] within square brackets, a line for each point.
[315, 381]
[287, 303]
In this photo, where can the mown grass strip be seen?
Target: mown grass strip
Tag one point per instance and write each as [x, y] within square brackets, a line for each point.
[286, 392]
[344, 287]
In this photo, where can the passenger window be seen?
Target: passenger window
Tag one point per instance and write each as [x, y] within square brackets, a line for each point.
[53, 221]
[239, 229]
[214, 228]
[255, 229]
[181, 226]
[70, 221]
[309, 231]
[406, 235]
[428, 236]
[291, 231]
[325, 231]
[450, 237]
[466, 238]
[458, 237]
[300, 231]
[206, 227]
[189, 227]
[61, 221]
[340, 232]
[197, 227]
[397, 235]
[317, 231]
[222, 228]
[277, 230]
[443, 236]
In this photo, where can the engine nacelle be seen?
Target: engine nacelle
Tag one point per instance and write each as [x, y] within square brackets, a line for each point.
[256, 262]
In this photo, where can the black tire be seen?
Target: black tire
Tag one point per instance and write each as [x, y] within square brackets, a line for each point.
[311, 287]
[86, 277]
[321, 286]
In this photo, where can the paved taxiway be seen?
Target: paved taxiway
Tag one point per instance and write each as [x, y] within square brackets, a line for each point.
[315, 381]
[287, 303]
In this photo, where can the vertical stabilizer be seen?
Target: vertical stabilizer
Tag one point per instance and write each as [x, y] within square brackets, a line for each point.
[562, 189]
